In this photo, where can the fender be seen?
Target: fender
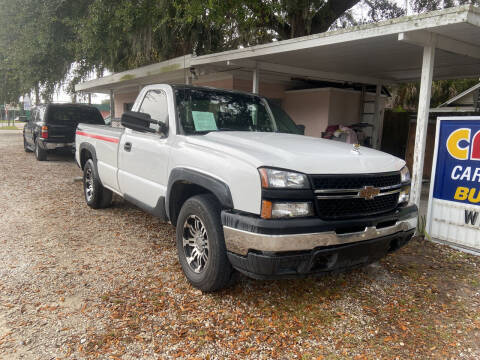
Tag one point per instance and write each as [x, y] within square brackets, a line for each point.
[215, 186]
[91, 149]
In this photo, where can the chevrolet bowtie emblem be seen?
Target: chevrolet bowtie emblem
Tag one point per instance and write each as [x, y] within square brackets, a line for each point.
[356, 148]
[369, 192]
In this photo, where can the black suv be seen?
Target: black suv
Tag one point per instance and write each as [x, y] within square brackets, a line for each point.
[53, 127]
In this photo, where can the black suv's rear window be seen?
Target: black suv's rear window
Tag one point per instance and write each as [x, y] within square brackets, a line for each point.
[58, 115]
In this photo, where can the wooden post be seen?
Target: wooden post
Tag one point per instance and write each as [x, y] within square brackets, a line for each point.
[376, 119]
[255, 80]
[422, 121]
[112, 105]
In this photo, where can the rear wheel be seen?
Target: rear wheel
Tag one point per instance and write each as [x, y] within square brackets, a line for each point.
[201, 244]
[40, 154]
[96, 196]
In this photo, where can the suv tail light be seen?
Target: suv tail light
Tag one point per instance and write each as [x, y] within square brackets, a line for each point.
[44, 133]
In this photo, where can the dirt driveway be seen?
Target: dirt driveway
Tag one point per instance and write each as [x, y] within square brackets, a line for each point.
[79, 283]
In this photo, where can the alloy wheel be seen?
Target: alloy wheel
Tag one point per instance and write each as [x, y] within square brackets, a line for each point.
[88, 184]
[195, 243]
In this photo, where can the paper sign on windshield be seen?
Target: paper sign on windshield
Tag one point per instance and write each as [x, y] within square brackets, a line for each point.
[204, 121]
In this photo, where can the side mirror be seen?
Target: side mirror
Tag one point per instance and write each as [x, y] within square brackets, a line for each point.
[142, 122]
[301, 129]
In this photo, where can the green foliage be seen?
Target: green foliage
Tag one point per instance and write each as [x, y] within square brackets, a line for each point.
[43, 41]
[406, 95]
[399, 109]
[430, 5]
[36, 40]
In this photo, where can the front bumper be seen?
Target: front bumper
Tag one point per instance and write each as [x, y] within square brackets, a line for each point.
[270, 249]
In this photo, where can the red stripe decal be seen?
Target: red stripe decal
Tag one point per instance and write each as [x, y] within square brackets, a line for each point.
[99, 137]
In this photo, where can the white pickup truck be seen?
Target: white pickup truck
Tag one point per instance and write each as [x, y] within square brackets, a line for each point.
[245, 190]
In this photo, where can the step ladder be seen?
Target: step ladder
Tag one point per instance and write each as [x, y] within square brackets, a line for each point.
[367, 113]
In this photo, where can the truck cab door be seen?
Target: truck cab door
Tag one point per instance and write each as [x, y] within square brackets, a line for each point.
[26, 129]
[143, 156]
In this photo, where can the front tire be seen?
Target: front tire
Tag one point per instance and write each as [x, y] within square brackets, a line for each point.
[201, 244]
[40, 154]
[96, 196]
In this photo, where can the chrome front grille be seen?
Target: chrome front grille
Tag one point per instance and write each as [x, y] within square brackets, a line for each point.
[355, 181]
[349, 196]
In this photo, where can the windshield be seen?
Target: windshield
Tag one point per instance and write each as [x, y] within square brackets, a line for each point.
[285, 124]
[202, 111]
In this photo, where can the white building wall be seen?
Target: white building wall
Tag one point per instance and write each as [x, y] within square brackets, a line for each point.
[309, 108]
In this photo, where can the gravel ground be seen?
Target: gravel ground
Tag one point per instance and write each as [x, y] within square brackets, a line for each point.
[79, 283]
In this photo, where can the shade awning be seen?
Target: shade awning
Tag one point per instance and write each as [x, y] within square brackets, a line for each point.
[167, 71]
[389, 51]
[385, 52]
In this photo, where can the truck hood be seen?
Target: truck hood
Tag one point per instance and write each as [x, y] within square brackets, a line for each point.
[296, 152]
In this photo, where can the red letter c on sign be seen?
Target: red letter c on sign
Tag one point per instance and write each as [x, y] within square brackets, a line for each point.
[475, 155]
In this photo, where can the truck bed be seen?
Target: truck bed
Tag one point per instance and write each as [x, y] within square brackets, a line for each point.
[104, 141]
[99, 132]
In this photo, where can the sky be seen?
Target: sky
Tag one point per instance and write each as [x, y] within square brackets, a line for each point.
[63, 97]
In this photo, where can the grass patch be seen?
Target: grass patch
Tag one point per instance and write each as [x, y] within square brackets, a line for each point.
[8, 128]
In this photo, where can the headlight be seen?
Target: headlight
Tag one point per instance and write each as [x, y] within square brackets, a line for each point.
[278, 179]
[404, 196]
[405, 175]
[279, 210]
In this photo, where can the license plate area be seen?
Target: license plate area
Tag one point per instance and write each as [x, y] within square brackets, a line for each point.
[350, 255]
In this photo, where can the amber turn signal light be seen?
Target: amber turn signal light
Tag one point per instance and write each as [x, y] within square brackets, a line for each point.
[266, 209]
[264, 178]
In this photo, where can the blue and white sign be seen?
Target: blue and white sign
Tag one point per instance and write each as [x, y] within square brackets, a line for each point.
[454, 202]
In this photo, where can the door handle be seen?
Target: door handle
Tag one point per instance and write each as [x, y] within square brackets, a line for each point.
[127, 146]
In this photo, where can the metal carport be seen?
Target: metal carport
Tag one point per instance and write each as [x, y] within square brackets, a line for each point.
[437, 45]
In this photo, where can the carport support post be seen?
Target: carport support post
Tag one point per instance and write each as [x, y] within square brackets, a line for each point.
[255, 80]
[112, 105]
[377, 130]
[422, 120]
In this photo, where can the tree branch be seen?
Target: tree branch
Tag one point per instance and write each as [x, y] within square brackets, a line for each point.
[271, 20]
[328, 14]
